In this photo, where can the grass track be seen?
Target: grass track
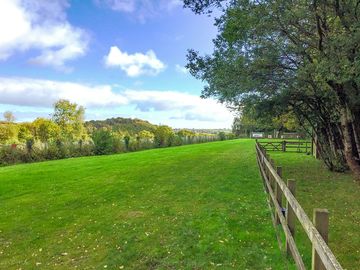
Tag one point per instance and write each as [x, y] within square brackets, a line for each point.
[191, 207]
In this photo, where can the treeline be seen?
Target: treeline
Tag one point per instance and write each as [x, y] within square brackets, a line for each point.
[248, 122]
[299, 57]
[66, 134]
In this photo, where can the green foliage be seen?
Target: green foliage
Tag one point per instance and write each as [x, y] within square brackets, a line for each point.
[30, 144]
[287, 122]
[46, 130]
[64, 136]
[118, 143]
[237, 127]
[32, 152]
[146, 135]
[222, 136]
[186, 133]
[163, 136]
[131, 126]
[70, 118]
[127, 142]
[25, 132]
[10, 155]
[250, 121]
[8, 133]
[103, 141]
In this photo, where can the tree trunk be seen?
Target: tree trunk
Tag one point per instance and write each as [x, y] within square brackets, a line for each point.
[348, 147]
[356, 137]
[355, 130]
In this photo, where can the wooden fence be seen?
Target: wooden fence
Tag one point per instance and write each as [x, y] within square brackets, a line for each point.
[287, 146]
[317, 231]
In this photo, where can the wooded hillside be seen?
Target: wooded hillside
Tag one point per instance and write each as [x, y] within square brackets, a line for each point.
[119, 124]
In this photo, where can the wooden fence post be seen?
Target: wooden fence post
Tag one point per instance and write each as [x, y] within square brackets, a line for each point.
[321, 222]
[283, 146]
[268, 174]
[290, 214]
[272, 180]
[278, 193]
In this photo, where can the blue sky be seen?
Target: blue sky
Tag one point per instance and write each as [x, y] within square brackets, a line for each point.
[116, 57]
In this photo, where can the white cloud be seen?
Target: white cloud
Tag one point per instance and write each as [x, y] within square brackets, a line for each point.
[119, 5]
[181, 105]
[170, 105]
[134, 64]
[44, 93]
[141, 9]
[41, 26]
[181, 69]
[161, 100]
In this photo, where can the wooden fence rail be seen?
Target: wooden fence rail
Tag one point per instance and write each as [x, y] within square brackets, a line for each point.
[322, 256]
[287, 146]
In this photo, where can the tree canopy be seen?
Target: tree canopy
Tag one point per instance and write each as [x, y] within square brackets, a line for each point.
[9, 117]
[70, 118]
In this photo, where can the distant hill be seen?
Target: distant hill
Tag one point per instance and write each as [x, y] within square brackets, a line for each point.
[207, 130]
[132, 126]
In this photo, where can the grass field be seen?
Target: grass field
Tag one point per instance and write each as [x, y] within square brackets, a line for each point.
[191, 207]
[319, 188]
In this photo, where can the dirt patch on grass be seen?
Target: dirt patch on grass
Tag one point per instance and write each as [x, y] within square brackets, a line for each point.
[134, 214]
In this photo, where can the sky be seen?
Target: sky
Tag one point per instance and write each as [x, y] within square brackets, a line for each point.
[117, 58]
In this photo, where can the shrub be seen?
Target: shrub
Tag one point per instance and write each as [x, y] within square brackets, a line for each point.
[103, 142]
[222, 136]
[127, 142]
[87, 149]
[30, 144]
[118, 144]
[176, 140]
[52, 152]
[133, 145]
[231, 136]
[163, 136]
[10, 155]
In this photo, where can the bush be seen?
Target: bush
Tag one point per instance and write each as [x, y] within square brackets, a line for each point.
[87, 149]
[30, 144]
[163, 136]
[127, 142]
[222, 136]
[103, 141]
[33, 152]
[18, 154]
[10, 155]
[230, 136]
[176, 140]
[52, 152]
[118, 145]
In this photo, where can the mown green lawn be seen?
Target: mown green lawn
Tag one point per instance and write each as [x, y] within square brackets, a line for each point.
[191, 207]
[317, 187]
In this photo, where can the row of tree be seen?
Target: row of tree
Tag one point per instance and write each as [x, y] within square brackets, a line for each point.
[66, 134]
[285, 56]
[65, 125]
[248, 122]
